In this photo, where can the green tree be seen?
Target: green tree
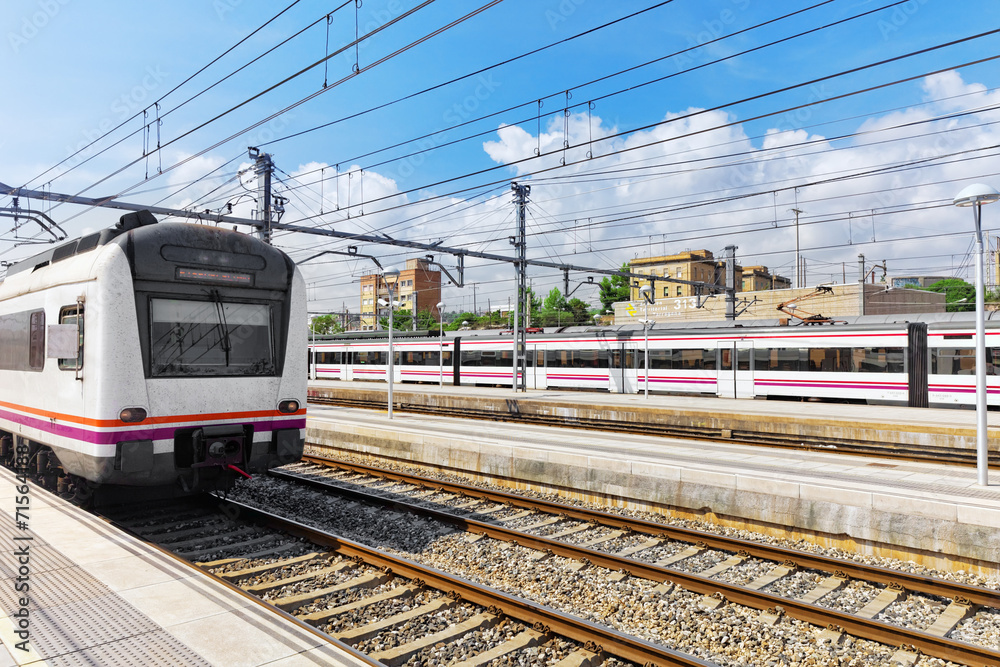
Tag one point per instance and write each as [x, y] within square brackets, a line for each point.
[959, 296]
[325, 324]
[554, 302]
[613, 290]
[579, 311]
[456, 322]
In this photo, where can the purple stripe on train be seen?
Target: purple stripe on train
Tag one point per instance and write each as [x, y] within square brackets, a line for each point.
[112, 437]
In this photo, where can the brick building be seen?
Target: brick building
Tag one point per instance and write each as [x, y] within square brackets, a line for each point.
[418, 288]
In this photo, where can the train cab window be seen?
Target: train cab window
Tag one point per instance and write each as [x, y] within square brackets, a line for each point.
[210, 338]
[36, 340]
[72, 315]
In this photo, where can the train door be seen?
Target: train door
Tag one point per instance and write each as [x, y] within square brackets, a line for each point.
[735, 369]
[536, 367]
[623, 371]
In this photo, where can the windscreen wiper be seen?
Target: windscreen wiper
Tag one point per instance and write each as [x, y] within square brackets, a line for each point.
[220, 310]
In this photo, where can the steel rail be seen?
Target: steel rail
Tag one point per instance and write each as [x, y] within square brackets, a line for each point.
[597, 638]
[878, 631]
[927, 454]
[802, 559]
[310, 629]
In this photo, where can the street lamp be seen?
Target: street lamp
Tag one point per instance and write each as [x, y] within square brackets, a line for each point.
[647, 296]
[393, 274]
[975, 196]
[440, 308]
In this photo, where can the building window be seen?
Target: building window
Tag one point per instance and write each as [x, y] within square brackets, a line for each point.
[679, 288]
[678, 273]
[666, 291]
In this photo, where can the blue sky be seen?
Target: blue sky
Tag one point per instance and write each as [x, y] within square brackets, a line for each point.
[692, 179]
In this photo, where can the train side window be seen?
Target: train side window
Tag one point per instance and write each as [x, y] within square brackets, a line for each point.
[709, 359]
[660, 359]
[72, 315]
[761, 359]
[787, 359]
[882, 360]
[726, 361]
[36, 347]
[962, 361]
[831, 360]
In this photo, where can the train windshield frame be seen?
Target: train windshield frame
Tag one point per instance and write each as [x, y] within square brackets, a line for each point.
[210, 338]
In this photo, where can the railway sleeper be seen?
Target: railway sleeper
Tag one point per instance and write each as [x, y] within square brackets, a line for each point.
[398, 593]
[365, 632]
[824, 588]
[519, 642]
[956, 612]
[401, 654]
[197, 554]
[260, 589]
[236, 575]
[369, 580]
[581, 658]
[889, 595]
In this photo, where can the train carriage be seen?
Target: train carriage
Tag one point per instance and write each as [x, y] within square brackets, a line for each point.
[873, 360]
[154, 354]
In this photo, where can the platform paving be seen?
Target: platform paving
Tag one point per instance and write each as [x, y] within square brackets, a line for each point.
[96, 596]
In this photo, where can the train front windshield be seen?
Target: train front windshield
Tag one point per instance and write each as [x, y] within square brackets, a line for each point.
[210, 338]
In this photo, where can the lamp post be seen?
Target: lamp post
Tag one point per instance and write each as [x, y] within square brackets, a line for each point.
[392, 273]
[647, 296]
[975, 196]
[440, 308]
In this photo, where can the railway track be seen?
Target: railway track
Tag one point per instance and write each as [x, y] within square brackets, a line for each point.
[776, 581]
[389, 609]
[923, 452]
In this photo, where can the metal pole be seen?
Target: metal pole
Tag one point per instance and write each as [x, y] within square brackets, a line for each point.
[982, 460]
[392, 377]
[798, 269]
[645, 362]
[440, 308]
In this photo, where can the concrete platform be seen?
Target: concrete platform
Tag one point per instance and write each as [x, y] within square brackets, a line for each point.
[931, 513]
[949, 428]
[96, 596]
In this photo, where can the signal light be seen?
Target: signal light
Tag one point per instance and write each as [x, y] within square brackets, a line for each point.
[132, 415]
[288, 407]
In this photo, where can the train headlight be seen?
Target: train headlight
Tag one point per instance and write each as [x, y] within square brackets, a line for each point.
[132, 415]
[288, 407]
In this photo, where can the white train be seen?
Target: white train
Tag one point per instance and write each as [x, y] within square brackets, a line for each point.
[153, 354]
[879, 360]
